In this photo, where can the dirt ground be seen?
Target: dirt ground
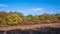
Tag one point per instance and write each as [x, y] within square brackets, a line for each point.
[32, 27]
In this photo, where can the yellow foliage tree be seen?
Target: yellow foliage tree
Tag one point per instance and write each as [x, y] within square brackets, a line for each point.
[12, 18]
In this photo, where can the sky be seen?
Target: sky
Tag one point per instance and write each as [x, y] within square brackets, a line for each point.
[35, 7]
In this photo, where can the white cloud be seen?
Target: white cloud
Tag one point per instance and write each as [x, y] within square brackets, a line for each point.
[3, 5]
[33, 11]
[36, 9]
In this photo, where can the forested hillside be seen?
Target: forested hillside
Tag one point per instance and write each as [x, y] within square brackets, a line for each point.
[17, 18]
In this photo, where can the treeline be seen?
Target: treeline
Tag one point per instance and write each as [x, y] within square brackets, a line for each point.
[17, 18]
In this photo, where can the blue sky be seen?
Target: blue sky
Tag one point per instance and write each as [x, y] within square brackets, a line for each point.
[34, 7]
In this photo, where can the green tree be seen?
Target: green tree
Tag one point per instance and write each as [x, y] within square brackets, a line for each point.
[19, 13]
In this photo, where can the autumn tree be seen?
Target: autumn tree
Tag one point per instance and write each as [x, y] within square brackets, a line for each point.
[12, 18]
[2, 18]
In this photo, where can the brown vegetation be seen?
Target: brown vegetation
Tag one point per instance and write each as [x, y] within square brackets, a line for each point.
[17, 18]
